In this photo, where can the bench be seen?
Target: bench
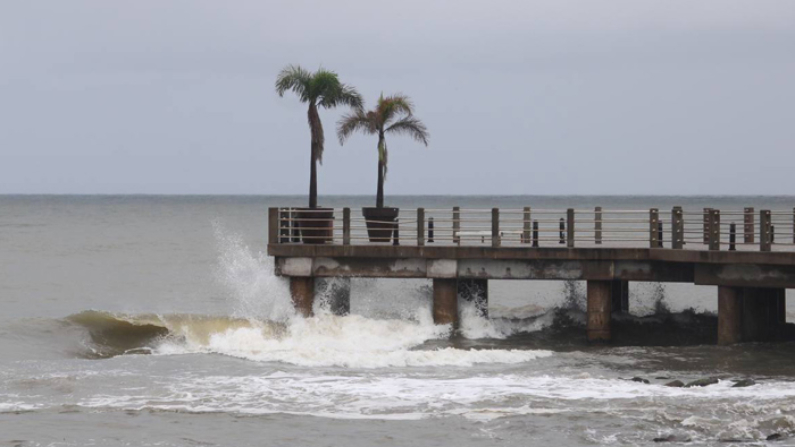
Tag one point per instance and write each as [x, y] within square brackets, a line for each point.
[483, 235]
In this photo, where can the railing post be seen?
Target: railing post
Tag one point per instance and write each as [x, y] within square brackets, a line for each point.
[420, 226]
[748, 225]
[430, 229]
[677, 228]
[346, 226]
[396, 234]
[570, 227]
[562, 231]
[495, 227]
[714, 229]
[456, 224]
[654, 217]
[535, 233]
[284, 231]
[273, 226]
[597, 217]
[732, 237]
[764, 230]
[294, 228]
[526, 223]
[286, 226]
[706, 217]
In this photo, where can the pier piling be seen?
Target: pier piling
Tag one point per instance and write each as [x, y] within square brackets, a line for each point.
[599, 307]
[445, 301]
[730, 311]
[619, 296]
[302, 291]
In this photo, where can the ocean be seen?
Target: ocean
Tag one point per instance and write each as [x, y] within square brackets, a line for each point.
[158, 321]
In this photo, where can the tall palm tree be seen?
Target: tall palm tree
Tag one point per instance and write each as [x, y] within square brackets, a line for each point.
[392, 115]
[320, 89]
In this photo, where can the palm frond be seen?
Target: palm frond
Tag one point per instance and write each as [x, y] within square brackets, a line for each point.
[358, 120]
[341, 94]
[322, 82]
[294, 78]
[392, 106]
[411, 126]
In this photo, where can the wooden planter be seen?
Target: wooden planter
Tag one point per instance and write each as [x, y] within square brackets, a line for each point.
[316, 225]
[381, 223]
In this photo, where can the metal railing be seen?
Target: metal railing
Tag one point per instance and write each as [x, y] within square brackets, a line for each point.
[678, 228]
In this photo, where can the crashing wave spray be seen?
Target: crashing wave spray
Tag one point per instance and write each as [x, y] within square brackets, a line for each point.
[253, 290]
[390, 326]
[391, 321]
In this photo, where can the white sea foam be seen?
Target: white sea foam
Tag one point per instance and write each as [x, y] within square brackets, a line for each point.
[350, 341]
[14, 407]
[475, 397]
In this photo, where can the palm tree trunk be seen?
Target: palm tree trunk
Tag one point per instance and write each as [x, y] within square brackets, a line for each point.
[379, 198]
[313, 181]
[314, 123]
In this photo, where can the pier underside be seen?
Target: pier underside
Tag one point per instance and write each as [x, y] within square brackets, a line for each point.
[750, 286]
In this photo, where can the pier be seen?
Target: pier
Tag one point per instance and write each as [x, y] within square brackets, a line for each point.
[748, 255]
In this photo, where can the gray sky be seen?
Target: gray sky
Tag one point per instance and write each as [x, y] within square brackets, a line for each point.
[520, 97]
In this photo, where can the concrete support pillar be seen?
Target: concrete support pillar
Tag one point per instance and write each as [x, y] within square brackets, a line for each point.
[730, 313]
[619, 295]
[781, 304]
[477, 291]
[445, 301]
[599, 307]
[302, 290]
[763, 313]
[337, 294]
[754, 314]
[776, 307]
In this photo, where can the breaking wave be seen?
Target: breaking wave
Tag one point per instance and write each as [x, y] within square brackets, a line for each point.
[325, 340]
[391, 325]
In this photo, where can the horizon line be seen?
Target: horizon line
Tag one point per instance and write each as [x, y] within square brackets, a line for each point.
[370, 195]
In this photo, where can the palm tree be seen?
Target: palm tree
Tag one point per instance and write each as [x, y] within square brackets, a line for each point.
[320, 89]
[393, 115]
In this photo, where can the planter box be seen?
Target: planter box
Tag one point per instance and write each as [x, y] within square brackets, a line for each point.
[316, 225]
[381, 223]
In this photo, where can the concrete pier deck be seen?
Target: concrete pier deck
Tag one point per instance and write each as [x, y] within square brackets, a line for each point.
[750, 282]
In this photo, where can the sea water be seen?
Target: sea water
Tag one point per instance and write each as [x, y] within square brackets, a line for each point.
[148, 320]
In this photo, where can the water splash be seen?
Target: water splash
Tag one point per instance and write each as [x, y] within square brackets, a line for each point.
[574, 294]
[253, 290]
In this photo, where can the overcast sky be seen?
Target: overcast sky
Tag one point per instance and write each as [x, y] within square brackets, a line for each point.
[520, 97]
